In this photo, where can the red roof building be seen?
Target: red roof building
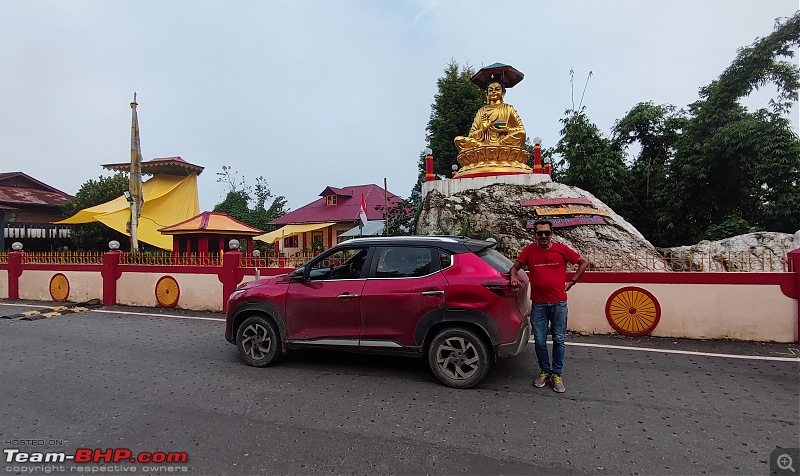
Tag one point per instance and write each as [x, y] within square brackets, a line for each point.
[27, 206]
[317, 226]
[208, 232]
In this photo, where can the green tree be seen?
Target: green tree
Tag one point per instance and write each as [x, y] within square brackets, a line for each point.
[654, 129]
[95, 236]
[733, 166]
[453, 109]
[593, 162]
[402, 218]
[248, 204]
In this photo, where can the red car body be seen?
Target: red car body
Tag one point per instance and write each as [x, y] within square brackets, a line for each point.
[447, 298]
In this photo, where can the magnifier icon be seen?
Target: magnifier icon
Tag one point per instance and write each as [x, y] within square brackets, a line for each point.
[785, 462]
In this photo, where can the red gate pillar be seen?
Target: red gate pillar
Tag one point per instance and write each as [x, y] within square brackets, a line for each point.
[794, 261]
[230, 275]
[110, 273]
[14, 272]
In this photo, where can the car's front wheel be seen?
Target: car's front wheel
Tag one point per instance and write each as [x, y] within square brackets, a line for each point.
[258, 341]
[458, 357]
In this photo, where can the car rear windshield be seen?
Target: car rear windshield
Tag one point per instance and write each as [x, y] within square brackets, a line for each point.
[495, 259]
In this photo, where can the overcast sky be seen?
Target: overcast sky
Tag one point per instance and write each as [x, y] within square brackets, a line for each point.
[330, 92]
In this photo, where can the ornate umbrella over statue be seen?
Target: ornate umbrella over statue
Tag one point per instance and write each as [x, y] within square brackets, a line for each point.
[507, 75]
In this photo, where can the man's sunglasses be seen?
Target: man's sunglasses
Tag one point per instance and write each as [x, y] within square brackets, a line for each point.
[544, 233]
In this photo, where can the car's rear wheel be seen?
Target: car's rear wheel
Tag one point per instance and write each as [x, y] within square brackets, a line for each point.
[258, 341]
[458, 357]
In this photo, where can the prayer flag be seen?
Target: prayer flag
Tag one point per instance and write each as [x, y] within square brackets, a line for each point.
[135, 179]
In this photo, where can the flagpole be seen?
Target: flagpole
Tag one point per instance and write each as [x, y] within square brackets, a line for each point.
[134, 180]
[385, 208]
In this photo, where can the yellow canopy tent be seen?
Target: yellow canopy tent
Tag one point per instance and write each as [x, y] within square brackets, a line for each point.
[168, 199]
[290, 230]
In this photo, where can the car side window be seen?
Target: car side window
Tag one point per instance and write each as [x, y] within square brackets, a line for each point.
[342, 264]
[403, 262]
[445, 260]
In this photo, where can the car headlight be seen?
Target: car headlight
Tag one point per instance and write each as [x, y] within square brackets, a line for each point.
[236, 293]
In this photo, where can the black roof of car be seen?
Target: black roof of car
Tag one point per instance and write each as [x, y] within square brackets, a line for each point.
[454, 244]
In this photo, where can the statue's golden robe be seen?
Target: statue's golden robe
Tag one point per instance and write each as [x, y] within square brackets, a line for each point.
[483, 132]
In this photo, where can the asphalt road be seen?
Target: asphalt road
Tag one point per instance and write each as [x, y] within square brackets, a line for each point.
[167, 381]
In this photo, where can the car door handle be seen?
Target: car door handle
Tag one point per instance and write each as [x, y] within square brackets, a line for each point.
[432, 293]
[347, 296]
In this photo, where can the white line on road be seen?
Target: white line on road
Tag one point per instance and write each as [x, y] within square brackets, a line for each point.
[530, 341]
[674, 351]
[160, 315]
[128, 312]
[22, 305]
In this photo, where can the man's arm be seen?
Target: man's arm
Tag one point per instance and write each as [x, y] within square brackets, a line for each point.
[513, 272]
[582, 265]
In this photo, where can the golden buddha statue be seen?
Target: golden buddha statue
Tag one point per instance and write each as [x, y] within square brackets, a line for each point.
[496, 141]
[496, 123]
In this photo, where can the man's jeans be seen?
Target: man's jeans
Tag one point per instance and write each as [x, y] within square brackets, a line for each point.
[556, 315]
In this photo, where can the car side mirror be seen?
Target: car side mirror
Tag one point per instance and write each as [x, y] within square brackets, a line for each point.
[299, 275]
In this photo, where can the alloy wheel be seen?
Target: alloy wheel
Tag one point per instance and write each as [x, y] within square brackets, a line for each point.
[457, 358]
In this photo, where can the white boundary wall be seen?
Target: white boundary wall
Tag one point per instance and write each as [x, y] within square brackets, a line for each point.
[83, 285]
[696, 311]
[202, 292]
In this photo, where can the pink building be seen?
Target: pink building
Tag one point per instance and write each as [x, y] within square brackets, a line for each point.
[318, 225]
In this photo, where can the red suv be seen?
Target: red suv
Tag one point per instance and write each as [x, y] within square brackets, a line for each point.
[444, 298]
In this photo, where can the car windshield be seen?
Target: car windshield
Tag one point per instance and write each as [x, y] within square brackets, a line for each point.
[495, 259]
[341, 264]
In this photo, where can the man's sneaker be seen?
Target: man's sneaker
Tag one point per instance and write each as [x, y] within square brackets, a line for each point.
[558, 384]
[541, 380]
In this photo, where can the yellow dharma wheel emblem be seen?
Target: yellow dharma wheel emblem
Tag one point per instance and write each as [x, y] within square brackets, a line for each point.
[167, 291]
[59, 287]
[633, 311]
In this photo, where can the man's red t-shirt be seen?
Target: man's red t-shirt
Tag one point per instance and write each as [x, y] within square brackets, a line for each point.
[548, 270]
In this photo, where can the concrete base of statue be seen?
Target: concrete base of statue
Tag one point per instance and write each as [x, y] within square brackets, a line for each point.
[459, 185]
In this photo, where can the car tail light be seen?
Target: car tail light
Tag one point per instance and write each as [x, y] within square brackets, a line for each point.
[501, 288]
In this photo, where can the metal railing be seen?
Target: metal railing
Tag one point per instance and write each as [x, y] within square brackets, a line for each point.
[63, 257]
[271, 261]
[691, 261]
[171, 259]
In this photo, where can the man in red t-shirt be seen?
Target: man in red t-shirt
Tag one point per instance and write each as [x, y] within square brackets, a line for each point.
[547, 263]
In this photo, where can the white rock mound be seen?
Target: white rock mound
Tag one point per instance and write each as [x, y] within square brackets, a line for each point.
[762, 251]
[495, 210]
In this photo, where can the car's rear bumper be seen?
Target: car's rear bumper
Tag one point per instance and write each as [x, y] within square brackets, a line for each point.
[513, 348]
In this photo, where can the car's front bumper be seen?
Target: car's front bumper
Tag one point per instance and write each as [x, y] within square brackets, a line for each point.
[513, 348]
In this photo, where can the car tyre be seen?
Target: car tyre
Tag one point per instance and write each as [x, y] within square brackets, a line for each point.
[258, 341]
[458, 357]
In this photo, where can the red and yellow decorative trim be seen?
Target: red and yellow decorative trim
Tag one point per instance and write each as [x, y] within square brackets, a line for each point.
[167, 291]
[633, 311]
[59, 287]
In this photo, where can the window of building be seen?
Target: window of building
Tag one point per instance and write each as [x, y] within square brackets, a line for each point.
[290, 242]
[317, 242]
[330, 199]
